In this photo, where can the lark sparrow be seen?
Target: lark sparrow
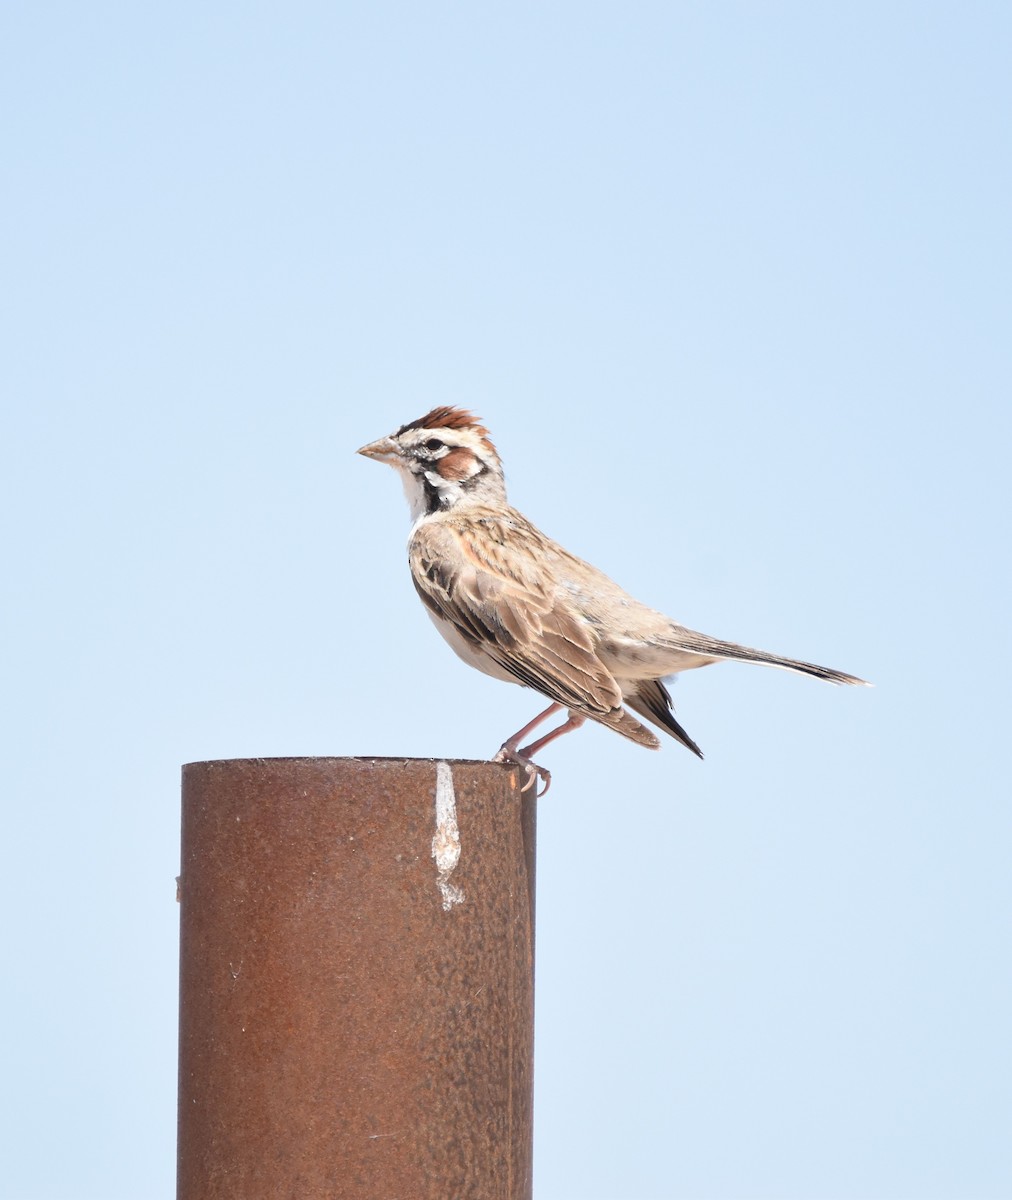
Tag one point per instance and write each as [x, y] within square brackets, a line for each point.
[519, 607]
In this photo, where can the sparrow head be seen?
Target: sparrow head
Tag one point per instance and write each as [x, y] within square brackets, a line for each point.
[444, 458]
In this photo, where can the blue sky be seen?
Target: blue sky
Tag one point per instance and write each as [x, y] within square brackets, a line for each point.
[730, 284]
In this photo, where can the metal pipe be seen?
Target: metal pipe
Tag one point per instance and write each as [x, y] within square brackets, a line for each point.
[356, 980]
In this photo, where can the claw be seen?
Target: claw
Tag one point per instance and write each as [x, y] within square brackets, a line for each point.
[534, 772]
[507, 754]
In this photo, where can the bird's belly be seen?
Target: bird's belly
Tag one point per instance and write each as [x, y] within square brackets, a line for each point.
[466, 650]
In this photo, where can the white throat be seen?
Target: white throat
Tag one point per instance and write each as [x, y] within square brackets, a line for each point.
[414, 490]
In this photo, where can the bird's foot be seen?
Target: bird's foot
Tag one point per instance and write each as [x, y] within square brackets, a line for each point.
[510, 754]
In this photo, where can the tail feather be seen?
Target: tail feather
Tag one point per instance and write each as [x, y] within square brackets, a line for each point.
[653, 701]
[701, 643]
[626, 724]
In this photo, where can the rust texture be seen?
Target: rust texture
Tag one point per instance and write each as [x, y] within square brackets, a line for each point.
[356, 1015]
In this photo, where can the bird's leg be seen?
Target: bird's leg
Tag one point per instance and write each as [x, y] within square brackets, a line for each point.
[574, 722]
[510, 745]
[510, 752]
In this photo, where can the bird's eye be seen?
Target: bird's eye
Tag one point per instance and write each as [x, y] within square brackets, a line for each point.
[433, 444]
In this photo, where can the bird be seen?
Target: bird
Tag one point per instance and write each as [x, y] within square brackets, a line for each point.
[516, 605]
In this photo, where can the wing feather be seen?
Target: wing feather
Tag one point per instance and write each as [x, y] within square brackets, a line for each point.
[498, 602]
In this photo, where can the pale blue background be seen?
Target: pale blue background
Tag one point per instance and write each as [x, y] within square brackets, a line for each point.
[730, 283]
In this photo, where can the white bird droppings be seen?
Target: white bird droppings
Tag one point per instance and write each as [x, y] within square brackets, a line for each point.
[446, 840]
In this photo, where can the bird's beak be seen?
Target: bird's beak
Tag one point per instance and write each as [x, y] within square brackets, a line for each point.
[382, 450]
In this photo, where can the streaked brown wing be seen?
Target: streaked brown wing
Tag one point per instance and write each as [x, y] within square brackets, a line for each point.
[493, 596]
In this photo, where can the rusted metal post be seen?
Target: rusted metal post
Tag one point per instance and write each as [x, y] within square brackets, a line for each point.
[357, 980]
